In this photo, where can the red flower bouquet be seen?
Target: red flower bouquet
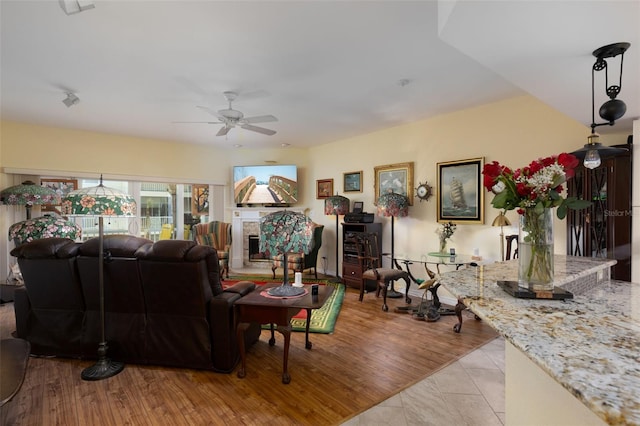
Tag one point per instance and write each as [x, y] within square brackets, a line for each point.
[537, 185]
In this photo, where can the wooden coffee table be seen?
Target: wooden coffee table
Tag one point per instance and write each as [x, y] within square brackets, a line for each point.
[268, 310]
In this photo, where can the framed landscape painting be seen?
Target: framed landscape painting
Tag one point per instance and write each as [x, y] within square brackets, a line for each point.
[460, 194]
[353, 182]
[397, 178]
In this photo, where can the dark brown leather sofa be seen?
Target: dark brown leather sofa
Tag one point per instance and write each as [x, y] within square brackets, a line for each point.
[164, 303]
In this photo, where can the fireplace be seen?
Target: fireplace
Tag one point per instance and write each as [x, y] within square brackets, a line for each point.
[254, 250]
[245, 249]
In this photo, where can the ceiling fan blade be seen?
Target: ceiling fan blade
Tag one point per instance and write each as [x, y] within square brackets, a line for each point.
[260, 119]
[262, 130]
[202, 122]
[210, 111]
[223, 130]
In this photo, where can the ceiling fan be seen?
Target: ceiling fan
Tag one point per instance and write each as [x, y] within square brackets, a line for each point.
[231, 118]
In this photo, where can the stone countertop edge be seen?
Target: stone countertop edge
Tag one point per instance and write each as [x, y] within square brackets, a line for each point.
[589, 344]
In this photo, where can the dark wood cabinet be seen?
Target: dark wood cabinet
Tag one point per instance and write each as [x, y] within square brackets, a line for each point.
[604, 229]
[352, 268]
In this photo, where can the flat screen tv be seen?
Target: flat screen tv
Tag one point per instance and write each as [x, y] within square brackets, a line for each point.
[271, 185]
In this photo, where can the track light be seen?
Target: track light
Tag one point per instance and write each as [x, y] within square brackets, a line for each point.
[71, 99]
[612, 110]
[71, 7]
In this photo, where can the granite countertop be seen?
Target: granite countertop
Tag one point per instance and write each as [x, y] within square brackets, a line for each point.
[589, 344]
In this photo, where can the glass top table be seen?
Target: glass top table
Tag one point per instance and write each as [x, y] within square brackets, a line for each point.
[430, 311]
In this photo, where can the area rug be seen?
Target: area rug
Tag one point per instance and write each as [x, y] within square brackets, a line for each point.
[323, 320]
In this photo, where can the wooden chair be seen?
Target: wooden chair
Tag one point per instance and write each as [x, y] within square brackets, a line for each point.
[299, 262]
[215, 234]
[368, 255]
[510, 239]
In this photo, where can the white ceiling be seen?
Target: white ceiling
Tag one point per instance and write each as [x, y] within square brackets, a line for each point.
[327, 70]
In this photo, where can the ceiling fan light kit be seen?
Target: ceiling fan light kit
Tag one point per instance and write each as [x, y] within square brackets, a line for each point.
[71, 100]
[612, 110]
[231, 118]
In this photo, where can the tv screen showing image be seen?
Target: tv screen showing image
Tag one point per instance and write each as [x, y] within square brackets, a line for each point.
[268, 185]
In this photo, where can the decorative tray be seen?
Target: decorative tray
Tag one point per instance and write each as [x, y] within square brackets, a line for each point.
[515, 290]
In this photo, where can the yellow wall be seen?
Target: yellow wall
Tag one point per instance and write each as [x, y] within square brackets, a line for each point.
[513, 132]
[48, 148]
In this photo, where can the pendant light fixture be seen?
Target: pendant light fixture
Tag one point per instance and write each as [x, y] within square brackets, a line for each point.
[612, 110]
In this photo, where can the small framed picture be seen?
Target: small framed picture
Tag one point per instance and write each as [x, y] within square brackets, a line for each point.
[62, 187]
[353, 182]
[324, 188]
[199, 200]
[358, 206]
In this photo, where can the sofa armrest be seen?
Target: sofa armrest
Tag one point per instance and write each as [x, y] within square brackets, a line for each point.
[222, 323]
[242, 288]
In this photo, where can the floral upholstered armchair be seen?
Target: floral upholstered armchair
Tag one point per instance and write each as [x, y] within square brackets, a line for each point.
[298, 262]
[217, 235]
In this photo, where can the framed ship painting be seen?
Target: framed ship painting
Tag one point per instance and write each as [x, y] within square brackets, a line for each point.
[460, 193]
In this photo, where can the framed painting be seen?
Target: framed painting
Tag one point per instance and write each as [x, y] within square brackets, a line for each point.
[353, 182]
[62, 187]
[324, 188]
[460, 193]
[199, 200]
[396, 178]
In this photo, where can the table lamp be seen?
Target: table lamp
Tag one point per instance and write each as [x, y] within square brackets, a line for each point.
[281, 232]
[501, 220]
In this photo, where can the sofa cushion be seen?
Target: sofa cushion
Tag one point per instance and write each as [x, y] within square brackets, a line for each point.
[55, 248]
[117, 245]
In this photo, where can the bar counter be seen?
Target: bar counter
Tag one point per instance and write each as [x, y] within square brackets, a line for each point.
[589, 345]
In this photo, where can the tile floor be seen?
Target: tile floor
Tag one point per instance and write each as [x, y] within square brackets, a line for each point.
[468, 392]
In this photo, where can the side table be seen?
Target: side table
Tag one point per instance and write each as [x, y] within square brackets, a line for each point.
[255, 307]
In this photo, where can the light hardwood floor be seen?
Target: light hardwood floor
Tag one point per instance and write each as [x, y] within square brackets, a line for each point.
[371, 356]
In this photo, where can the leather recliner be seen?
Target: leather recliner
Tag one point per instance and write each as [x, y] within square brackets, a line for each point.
[164, 303]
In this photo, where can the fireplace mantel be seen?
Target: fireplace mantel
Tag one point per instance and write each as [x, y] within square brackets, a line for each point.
[240, 242]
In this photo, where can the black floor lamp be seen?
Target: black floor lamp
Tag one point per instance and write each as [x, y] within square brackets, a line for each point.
[100, 201]
[394, 205]
[336, 205]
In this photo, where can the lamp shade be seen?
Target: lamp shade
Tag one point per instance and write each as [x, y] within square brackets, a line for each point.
[501, 220]
[28, 194]
[98, 201]
[336, 205]
[46, 226]
[392, 204]
[285, 231]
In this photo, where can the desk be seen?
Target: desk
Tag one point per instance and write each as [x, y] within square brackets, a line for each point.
[408, 259]
[268, 310]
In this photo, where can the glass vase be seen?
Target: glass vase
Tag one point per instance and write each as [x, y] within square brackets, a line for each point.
[535, 250]
[443, 246]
